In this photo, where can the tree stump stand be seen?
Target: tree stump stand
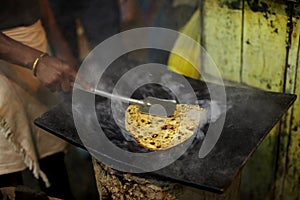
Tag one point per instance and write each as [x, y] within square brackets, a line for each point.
[131, 187]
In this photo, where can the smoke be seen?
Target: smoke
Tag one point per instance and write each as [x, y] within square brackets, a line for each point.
[129, 79]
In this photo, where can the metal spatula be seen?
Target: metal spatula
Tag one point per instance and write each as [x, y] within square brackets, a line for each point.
[147, 105]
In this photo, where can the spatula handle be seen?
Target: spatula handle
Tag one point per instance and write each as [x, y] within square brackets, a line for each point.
[117, 97]
[109, 95]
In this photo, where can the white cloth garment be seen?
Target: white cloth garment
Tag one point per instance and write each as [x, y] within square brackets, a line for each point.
[22, 99]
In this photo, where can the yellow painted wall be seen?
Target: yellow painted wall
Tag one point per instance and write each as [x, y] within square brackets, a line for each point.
[248, 41]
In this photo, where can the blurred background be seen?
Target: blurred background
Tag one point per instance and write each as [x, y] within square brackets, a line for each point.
[253, 43]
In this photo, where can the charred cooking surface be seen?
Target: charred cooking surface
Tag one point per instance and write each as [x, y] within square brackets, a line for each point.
[251, 116]
[114, 132]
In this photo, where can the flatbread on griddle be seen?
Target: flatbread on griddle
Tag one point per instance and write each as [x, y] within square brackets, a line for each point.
[158, 133]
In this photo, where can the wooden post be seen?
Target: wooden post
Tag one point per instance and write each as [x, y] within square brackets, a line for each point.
[132, 187]
[257, 43]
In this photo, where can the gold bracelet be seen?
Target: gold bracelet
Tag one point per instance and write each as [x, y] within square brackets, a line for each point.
[36, 61]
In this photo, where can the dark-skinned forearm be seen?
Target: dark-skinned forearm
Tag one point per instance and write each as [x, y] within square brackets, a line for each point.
[17, 53]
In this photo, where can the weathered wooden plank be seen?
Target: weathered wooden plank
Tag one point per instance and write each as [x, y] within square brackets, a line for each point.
[221, 35]
[258, 174]
[291, 189]
[264, 43]
[264, 58]
[263, 66]
[285, 184]
[288, 174]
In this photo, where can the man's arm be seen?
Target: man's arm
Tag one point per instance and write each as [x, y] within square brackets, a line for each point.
[17, 53]
[52, 72]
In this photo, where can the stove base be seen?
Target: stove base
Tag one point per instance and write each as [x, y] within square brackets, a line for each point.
[112, 185]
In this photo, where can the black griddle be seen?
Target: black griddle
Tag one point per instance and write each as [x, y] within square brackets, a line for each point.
[251, 116]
